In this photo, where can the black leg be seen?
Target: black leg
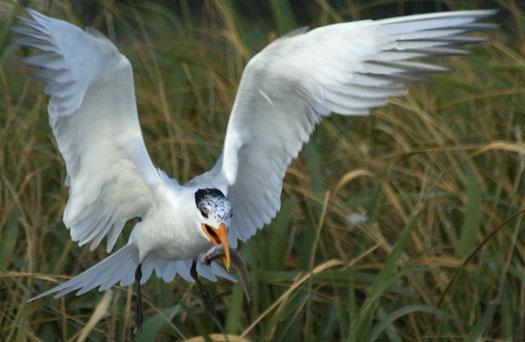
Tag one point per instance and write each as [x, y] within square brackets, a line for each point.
[139, 316]
[206, 299]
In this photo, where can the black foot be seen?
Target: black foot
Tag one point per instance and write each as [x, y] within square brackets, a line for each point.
[206, 298]
[139, 315]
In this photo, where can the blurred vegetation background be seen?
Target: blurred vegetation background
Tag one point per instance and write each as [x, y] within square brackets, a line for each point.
[404, 225]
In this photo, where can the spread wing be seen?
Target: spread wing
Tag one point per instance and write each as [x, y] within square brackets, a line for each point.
[287, 88]
[93, 115]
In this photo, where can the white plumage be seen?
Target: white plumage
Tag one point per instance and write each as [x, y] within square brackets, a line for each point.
[285, 90]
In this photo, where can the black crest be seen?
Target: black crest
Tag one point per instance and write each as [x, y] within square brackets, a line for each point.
[204, 199]
[201, 194]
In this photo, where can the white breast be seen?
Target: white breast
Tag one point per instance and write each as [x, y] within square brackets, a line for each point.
[170, 229]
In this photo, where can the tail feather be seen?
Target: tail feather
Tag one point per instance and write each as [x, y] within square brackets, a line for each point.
[118, 267]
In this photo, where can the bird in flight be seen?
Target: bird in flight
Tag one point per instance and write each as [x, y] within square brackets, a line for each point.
[285, 90]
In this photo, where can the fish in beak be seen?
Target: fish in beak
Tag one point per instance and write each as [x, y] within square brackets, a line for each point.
[219, 236]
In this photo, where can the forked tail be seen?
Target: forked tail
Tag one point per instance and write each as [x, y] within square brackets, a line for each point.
[120, 268]
[117, 268]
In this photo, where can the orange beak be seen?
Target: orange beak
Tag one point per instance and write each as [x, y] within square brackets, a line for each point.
[219, 236]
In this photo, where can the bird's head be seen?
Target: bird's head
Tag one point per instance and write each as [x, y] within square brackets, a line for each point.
[215, 214]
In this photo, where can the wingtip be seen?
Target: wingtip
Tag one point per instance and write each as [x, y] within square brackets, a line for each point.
[489, 26]
[491, 11]
[36, 18]
[31, 12]
[35, 14]
[26, 25]
[481, 13]
[37, 297]
[14, 29]
[296, 32]
[21, 18]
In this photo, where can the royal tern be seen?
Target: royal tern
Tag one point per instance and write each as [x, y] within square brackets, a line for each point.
[285, 90]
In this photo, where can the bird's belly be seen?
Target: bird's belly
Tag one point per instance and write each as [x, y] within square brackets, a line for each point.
[169, 241]
[174, 250]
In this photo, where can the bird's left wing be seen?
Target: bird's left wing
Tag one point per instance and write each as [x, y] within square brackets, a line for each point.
[93, 115]
[345, 68]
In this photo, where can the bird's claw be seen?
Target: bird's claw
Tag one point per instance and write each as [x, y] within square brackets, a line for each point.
[213, 253]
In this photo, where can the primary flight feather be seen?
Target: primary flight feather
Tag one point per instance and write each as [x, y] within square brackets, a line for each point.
[285, 90]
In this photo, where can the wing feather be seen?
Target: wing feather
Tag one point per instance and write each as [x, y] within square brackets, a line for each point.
[93, 115]
[347, 68]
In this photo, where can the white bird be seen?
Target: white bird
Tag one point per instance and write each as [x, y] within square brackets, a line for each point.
[285, 90]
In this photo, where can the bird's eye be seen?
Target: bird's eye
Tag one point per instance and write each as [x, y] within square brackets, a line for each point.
[204, 213]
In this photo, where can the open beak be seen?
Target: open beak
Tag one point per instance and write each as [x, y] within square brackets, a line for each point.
[219, 236]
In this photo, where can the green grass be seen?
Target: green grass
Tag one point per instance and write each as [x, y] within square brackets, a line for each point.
[439, 175]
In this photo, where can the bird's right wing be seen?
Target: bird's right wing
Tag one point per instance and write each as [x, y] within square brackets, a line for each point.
[346, 68]
[93, 115]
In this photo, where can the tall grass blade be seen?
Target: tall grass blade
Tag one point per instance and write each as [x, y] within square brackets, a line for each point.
[386, 276]
[235, 312]
[283, 16]
[280, 236]
[473, 214]
[386, 321]
[9, 237]
[152, 326]
[476, 333]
